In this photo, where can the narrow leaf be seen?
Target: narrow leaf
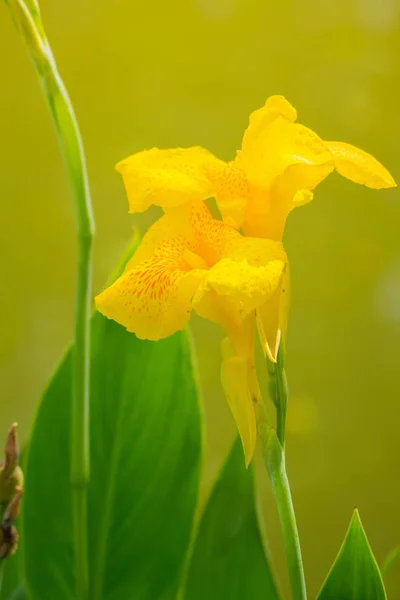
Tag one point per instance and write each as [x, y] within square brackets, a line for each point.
[228, 559]
[355, 574]
[390, 561]
[145, 456]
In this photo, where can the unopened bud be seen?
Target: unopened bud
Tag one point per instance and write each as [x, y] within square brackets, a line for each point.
[11, 476]
[11, 450]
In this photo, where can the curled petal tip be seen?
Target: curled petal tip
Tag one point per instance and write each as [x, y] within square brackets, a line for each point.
[359, 166]
[391, 182]
[272, 351]
[119, 167]
[302, 197]
[269, 354]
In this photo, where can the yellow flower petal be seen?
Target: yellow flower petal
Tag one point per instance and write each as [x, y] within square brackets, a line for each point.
[234, 377]
[256, 251]
[359, 166]
[153, 296]
[284, 161]
[232, 191]
[245, 287]
[172, 178]
[260, 119]
[273, 142]
[272, 318]
[245, 277]
[208, 237]
[302, 197]
[167, 178]
[290, 190]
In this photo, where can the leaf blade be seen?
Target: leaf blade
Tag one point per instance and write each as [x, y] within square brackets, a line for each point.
[355, 573]
[146, 456]
[228, 559]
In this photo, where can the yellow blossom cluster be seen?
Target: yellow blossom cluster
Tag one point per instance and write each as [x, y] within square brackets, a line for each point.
[231, 269]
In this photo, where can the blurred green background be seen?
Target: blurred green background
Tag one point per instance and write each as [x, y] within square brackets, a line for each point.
[185, 72]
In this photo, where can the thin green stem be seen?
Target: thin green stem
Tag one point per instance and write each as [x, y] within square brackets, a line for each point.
[279, 392]
[283, 498]
[71, 144]
[274, 444]
[282, 397]
[1, 574]
[27, 17]
[81, 548]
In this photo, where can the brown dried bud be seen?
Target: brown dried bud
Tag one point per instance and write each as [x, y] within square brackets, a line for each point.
[8, 541]
[12, 510]
[8, 533]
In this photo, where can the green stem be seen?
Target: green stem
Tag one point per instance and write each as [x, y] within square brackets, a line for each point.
[279, 392]
[282, 397]
[274, 444]
[81, 546]
[71, 144]
[28, 20]
[275, 461]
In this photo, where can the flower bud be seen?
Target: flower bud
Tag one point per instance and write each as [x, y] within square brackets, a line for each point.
[11, 477]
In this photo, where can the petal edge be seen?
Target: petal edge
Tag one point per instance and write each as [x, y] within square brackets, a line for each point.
[359, 166]
[166, 178]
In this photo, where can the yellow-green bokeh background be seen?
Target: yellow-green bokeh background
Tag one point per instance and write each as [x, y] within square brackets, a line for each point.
[182, 72]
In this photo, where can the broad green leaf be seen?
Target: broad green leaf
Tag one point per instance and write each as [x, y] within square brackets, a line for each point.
[228, 559]
[355, 574]
[11, 579]
[145, 458]
[18, 594]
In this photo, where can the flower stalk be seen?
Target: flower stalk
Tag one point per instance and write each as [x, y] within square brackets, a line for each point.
[275, 461]
[274, 455]
[26, 16]
[278, 389]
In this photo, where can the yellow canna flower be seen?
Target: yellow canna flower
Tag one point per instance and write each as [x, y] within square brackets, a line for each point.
[189, 260]
[277, 169]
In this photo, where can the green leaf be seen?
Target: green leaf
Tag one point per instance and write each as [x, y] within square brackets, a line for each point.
[145, 458]
[228, 559]
[389, 561]
[18, 594]
[11, 577]
[355, 574]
